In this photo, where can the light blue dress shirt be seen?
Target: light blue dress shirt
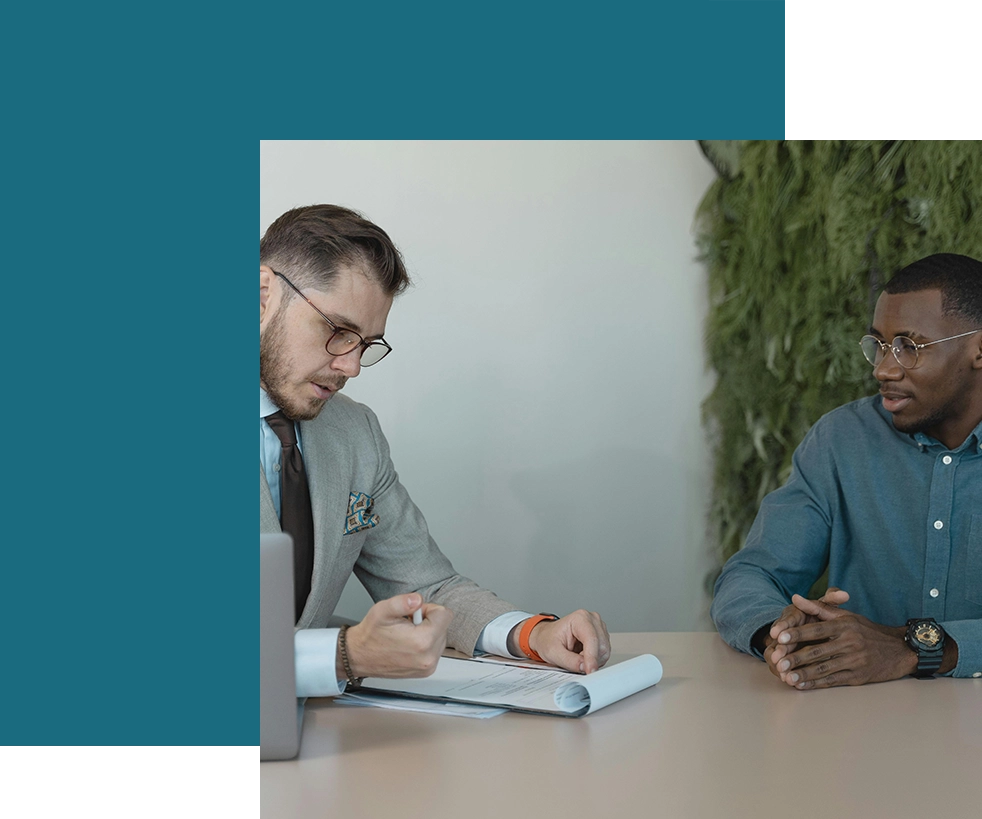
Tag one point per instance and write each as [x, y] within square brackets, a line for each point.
[896, 518]
[315, 649]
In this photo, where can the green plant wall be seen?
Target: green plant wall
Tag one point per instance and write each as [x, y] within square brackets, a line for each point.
[798, 238]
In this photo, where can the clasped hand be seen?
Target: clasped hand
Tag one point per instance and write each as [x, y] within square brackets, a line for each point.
[815, 644]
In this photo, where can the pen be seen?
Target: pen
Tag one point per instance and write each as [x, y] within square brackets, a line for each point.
[418, 616]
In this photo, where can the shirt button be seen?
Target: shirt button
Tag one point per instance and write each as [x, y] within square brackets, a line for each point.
[947, 459]
[938, 524]
[934, 592]
[276, 468]
[977, 674]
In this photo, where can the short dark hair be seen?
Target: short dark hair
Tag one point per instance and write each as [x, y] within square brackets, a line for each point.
[959, 278]
[310, 245]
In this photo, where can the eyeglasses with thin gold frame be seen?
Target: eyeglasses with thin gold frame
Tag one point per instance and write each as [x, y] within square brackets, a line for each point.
[903, 348]
[343, 340]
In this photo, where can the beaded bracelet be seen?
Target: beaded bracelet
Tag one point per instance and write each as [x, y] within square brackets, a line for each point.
[353, 681]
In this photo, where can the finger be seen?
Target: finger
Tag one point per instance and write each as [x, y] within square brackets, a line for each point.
[397, 611]
[587, 633]
[815, 632]
[558, 643]
[777, 654]
[834, 596]
[427, 640]
[603, 644]
[839, 678]
[810, 655]
[781, 650]
[771, 663]
[816, 608]
[834, 679]
[557, 654]
[819, 671]
[437, 616]
[792, 616]
[398, 607]
[810, 608]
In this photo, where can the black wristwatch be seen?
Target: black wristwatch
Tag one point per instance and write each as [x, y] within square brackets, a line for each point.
[926, 639]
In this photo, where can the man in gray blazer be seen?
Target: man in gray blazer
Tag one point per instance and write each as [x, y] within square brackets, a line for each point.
[327, 278]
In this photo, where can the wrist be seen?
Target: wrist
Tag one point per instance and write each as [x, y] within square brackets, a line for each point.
[909, 661]
[950, 657]
[349, 669]
[512, 640]
[527, 637]
[762, 638]
[338, 664]
[925, 638]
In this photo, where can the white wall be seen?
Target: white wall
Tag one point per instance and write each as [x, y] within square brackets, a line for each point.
[543, 398]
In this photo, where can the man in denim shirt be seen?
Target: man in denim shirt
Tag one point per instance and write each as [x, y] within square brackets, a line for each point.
[885, 493]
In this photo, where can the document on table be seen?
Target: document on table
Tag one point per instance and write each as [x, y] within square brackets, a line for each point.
[396, 703]
[518, 688]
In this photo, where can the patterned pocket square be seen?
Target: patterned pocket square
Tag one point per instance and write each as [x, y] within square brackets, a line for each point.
[360, 514]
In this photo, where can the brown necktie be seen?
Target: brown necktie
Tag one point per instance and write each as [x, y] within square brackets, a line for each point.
[296, 517]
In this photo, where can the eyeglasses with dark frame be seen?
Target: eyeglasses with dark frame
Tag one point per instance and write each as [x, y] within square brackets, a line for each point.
[343, 340]
[903, 349]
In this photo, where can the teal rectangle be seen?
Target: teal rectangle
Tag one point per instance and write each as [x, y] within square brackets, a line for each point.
[128, 584]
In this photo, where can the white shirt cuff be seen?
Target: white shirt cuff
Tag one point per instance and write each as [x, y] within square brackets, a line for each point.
[494, 636]
[314, 651]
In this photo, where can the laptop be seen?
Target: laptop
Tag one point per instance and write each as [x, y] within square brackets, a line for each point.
[280, 712]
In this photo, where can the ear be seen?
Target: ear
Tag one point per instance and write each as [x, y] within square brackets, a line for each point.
[977, 353]
[266, 277]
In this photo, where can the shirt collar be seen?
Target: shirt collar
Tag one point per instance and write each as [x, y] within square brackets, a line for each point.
[266, 405]
[972, 442]
[922, 441]
[977, 434]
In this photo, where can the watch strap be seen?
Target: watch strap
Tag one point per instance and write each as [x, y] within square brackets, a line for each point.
[526, 631]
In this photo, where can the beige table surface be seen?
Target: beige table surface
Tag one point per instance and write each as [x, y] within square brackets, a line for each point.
[717, 737]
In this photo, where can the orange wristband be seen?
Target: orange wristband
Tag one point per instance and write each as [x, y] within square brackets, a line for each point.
[523, 635]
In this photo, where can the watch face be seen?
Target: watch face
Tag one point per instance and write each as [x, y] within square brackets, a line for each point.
[928, 634]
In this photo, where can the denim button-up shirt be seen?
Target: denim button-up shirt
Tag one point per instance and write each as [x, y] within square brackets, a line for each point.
[896, 518]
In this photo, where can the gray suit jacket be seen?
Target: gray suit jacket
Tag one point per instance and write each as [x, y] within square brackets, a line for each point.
[387, 545]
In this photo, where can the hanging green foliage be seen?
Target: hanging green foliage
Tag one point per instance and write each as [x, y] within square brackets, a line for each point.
[798, 238]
